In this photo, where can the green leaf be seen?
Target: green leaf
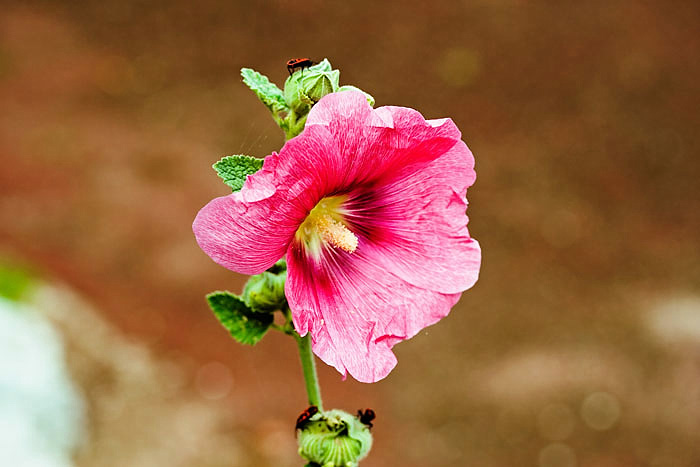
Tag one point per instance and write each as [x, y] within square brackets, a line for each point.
[267, 92]
[234, 169]
[245, 325]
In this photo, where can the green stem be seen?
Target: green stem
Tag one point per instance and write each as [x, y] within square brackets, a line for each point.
[308, 362]
[308, 365]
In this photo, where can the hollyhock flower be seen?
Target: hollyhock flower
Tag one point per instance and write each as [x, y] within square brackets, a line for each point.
[369, 207]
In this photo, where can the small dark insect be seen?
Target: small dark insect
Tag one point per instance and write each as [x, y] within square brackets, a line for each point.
[305, 416]
[298, 63]
[366, 416]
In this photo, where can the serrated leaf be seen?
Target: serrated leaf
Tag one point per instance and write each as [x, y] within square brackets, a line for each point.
[233, 170]
[245, 325]
[267, 92]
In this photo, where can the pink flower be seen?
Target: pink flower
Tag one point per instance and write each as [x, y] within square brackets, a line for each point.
[369, 205]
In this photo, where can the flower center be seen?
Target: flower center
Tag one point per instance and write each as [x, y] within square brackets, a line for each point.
[336, 233]
[325, 224]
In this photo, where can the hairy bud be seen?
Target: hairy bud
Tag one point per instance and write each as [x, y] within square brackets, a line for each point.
[334, 439]
[264, 293]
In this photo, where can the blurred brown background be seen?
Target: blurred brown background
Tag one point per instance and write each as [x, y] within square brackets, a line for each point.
[579, 346]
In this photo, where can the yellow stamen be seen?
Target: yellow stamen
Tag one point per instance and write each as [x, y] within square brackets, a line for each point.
[336, 233]
[325, 225]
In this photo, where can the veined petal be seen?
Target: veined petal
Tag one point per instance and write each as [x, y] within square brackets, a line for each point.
[250, 230]
[417, 223]
[366, 145]
[356, 310]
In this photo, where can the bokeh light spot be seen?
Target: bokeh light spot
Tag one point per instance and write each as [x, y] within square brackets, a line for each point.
[557, 455]
[600, 410]
[214, 381]
[676, 319]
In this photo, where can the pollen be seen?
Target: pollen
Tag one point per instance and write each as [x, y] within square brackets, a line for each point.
[325, 226]
[336, 233]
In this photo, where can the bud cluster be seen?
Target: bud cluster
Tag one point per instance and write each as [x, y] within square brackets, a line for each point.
[302, 90]
[334, 439]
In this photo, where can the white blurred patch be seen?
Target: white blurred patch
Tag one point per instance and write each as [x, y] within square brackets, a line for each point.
[676, 320]
[142, 411]
[542, 373]
[41, 414]
[214, 381]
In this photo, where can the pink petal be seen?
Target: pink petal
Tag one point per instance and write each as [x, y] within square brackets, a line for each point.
[409, 180]
[250, 230]
[356, 310]
[419, 223]
[365, 145]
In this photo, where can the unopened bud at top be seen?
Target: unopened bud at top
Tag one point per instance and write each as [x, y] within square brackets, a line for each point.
[307, 86]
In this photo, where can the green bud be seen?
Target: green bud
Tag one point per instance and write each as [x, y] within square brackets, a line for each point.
[307, 86]
[334, 439]
[264, 293]
[302, 90]
[315, 87]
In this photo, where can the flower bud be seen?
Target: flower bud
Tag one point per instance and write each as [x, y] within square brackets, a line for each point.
[307, 86]
[304, 88]
[334, 439]
[264, 293]
[315, 87]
